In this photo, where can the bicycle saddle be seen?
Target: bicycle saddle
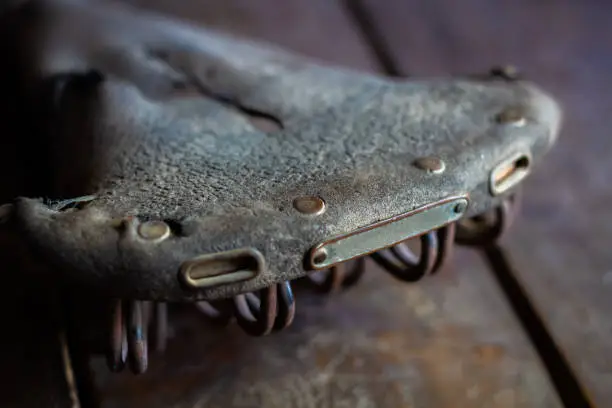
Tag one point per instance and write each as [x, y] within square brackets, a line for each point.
[189, 165]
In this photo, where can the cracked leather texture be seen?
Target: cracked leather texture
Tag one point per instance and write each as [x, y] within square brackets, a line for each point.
[154, 117]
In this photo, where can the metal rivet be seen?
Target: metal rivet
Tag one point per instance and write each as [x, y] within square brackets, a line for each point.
[460, 208]
[512, 116]
[319, 256]
[5, 212]
[154, 230]
[432, 164]
[310, 205]
[508, 72]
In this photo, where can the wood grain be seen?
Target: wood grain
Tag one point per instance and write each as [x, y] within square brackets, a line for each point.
[449, 342]
[561, 244]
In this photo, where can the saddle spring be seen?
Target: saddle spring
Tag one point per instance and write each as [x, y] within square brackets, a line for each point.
[133, 324]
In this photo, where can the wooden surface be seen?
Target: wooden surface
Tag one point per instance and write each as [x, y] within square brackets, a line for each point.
[561, 246]
[451, 341]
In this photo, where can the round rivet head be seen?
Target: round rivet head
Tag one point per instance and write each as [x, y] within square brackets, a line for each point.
[512, 116]
[507, 72]
[431, 164]
[319, 256]
[460, 208]
[154, 230]
[310, 205]
[5, 212]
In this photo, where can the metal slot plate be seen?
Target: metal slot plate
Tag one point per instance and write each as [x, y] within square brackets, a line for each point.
[387, 233]
[509, 173]
[222, 268]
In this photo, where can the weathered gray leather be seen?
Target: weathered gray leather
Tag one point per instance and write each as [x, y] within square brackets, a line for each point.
[126, 126]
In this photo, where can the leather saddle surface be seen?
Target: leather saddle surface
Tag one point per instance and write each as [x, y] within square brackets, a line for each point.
[150, 121]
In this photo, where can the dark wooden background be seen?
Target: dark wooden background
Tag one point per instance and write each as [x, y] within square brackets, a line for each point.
[534, 333]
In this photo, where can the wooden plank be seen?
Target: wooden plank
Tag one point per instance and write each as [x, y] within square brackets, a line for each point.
[561, 244]
[448, 342]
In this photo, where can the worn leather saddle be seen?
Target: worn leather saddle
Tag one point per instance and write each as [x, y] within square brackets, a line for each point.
[150, 160]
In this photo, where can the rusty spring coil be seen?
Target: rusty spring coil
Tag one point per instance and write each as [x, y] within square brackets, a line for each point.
[135, 324]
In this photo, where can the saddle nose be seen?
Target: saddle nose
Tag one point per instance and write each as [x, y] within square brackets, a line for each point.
[547, 110]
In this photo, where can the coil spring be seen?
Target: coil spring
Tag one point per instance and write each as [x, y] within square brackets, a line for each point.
[134, 323]
[271, 309]
[131, 325]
